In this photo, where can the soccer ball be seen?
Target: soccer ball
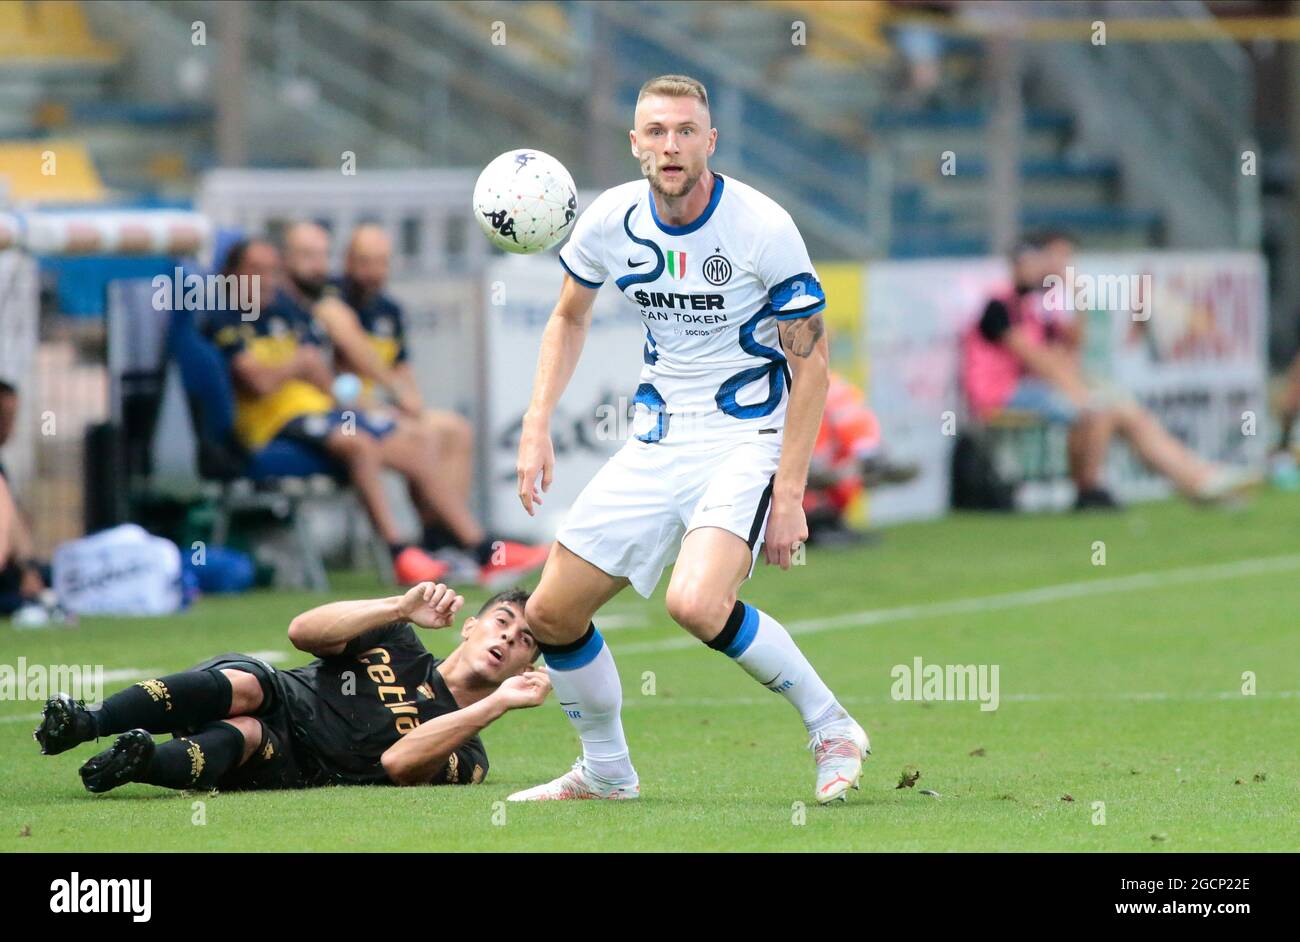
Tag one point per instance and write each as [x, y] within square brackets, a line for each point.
[525, 201]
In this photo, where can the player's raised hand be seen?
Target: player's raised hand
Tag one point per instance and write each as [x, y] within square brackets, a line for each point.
[524, 690]
[431, 605]
[536, 457]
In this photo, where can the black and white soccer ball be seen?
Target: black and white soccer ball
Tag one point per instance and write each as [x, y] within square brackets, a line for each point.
[525, 201]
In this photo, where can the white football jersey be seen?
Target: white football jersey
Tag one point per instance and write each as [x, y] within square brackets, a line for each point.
[709, 294]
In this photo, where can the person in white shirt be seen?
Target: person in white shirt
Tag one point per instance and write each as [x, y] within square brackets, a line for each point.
[732, 387]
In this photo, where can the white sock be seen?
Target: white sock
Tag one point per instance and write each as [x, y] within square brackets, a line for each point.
[586, 684]
[763, 647]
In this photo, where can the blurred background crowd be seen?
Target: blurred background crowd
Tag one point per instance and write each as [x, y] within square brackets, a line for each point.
[943, 160]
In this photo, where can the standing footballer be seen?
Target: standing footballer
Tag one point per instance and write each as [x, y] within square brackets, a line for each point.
[730, 397]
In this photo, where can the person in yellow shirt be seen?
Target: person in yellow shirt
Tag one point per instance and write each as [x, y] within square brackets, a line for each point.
[283, 390]
[432, 450]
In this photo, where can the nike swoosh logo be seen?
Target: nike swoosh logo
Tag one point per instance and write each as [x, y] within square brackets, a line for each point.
[768, 683]
[632, 264]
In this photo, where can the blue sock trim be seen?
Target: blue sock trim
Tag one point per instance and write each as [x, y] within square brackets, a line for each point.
[579, 657]
[745, 634]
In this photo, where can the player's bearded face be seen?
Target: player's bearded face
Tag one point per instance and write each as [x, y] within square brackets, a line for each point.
[672, 143]
[670, 176]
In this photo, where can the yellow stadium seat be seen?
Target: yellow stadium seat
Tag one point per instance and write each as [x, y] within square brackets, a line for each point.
[34, 30]
[50, 171]
[857, 26]
[17, 21]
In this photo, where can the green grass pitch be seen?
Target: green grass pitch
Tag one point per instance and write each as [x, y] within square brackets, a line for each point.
[1119, 683]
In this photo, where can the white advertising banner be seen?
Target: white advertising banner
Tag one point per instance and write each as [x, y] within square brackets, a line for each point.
[591, 421]
[1195, 356]
[914, 313]
[1184, 333]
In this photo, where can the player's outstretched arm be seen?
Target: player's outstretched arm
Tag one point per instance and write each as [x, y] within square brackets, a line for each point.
[421, 755]
[327, 629]
[562, 341]
[807, 352]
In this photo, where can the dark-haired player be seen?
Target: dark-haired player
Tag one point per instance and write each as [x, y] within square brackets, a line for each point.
[375, 707]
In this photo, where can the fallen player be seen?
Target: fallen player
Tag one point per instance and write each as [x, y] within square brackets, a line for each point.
[375, 707]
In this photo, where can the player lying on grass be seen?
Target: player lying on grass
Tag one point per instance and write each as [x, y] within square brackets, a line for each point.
[375, 707]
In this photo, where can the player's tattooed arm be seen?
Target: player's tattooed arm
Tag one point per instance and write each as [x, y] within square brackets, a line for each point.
[799, 336]
[804, 341]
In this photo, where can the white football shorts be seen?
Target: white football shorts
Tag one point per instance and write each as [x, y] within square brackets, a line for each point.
[631, 518]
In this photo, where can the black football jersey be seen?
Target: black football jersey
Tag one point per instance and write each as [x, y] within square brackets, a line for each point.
[347, 709]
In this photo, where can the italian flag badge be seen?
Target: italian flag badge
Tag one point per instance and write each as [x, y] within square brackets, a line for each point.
[677, 264]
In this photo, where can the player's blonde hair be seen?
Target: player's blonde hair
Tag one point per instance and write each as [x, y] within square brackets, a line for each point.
[675, 86]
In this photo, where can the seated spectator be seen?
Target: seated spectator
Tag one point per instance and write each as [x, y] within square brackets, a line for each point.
[22, 578]
[1020, 356]
[282, 390]
[848, 457]
[432, 451]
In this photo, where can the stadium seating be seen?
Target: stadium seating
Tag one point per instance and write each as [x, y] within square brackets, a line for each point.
[837, 108]
[50, 31]
[29, 177]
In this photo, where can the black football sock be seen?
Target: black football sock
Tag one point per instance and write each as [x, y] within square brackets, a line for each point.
[166, 704]
[484, 550]
[437, 537]
[196, 761]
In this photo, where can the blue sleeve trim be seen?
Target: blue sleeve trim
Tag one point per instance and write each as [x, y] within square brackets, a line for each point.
[806, 312]
[578, 278]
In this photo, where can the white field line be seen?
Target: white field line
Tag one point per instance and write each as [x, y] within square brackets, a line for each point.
[271, 657]
[1216, 572]
[123, 674]
[633, 700]
[120, 674]
[630, 620]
